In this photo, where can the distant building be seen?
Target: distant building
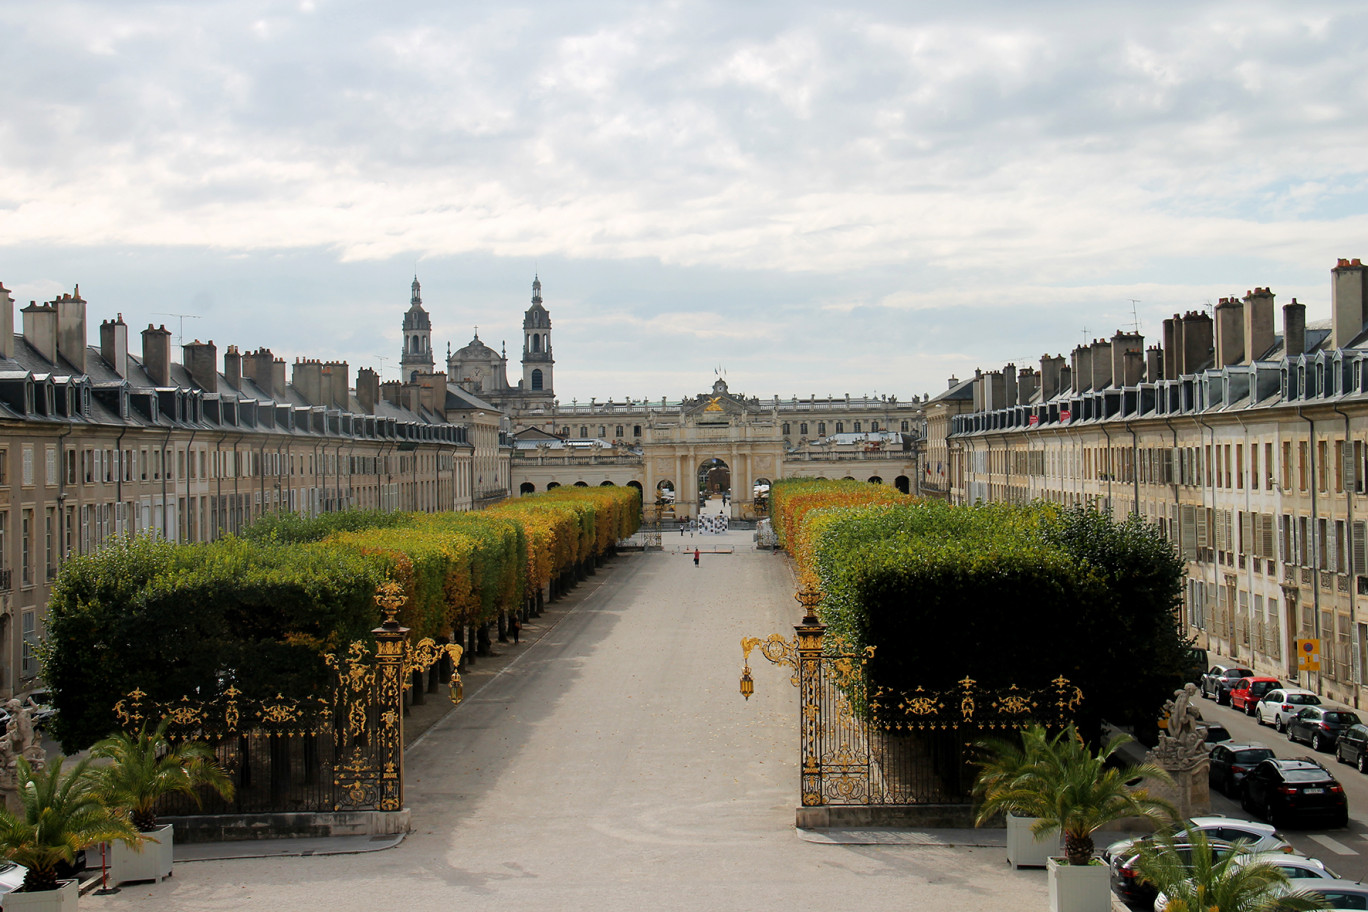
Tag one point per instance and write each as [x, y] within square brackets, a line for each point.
[1248, 447]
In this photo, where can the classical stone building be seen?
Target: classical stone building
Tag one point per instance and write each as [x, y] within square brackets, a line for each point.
[1245, 445]
[99, 441]
[676, 446]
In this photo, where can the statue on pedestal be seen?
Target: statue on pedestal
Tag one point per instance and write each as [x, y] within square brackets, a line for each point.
[1182, 742]
[19, 740]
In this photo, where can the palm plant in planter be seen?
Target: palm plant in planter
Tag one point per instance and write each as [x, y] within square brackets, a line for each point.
[60, 814]
[147, 767]
[1194, 878]
[1068, 789]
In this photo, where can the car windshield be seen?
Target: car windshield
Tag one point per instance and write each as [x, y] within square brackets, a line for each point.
[1259, 687]
[1343, 718]
[1305, 775]
[1239, 673]
[1308, 699]
[1253, 755]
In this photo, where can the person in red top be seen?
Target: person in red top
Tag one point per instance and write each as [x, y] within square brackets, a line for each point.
[695, 557]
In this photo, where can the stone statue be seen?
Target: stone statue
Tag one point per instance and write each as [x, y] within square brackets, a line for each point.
[1182, 741]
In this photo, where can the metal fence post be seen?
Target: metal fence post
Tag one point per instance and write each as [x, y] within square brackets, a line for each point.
[810, 633]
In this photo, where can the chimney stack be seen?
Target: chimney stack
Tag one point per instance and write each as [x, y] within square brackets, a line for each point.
[1229, 331]
[1065, 377]
[1258, 323]
[201, 361]
[1009, 385]
[278, 378]
[1101, 364]
[367, 389]
[71, 329]
[1154, 363]
[6, 322]
[40, 329]
[259, 367]
[1122, 344]
[1027, 383]
[1294, 329]
[114, 345]
[308, 381]
[1049, 376]
[389, 390]
[157, 354]
[1196, 342]
[1081, 369]
[1348, 302]
[1132, 368]
[335, 385]
[232, 367]
[954, 381]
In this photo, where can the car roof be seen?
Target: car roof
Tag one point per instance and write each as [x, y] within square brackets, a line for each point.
[1319, 885]
[1243, 745]
[1261, 678]
[1298, 690]
[1219, 820]
[1296, 763]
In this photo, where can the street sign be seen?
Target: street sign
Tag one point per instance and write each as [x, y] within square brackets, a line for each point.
[1308, 655]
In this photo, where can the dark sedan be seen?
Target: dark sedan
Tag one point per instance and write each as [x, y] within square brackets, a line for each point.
[1282, 791]
[1216, 682]
[1319, 726]
[1352, 747]
[1231, 762]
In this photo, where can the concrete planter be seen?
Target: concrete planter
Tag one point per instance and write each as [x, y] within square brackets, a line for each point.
[1024, 849]
[1079, 888]
[151, 861]
[62, 899]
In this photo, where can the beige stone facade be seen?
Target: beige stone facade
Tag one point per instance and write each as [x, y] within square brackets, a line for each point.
[1246, 448]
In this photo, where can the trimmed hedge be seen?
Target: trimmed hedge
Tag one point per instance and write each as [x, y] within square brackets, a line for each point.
[260, 611]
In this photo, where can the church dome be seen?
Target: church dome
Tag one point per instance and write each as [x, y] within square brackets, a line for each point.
[476, 351]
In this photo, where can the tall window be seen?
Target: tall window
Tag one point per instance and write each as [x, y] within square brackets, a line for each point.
[537, 378]
[26, 547]
[802, 429]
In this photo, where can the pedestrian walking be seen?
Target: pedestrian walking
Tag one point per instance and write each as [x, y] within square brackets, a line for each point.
[695, 557]
[517, 628]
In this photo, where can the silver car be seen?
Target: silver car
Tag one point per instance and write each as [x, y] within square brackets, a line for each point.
[1338, 894]
[1296, 867]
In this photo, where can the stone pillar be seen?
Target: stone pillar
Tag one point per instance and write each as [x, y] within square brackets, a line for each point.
[1190, 793]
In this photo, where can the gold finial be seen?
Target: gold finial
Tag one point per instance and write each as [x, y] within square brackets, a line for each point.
[389, 595]
[809, 598]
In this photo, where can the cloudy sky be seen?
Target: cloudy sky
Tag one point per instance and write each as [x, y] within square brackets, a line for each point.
[816, 199]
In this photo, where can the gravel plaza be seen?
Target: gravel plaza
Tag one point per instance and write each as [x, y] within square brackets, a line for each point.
[608, 762]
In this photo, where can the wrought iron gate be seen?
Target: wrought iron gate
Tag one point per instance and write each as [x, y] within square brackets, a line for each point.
[859, 746]
[340, 751]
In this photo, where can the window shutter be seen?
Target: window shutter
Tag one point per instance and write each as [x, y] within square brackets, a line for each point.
[1350, 467]
[1222, 537]
[1189, 531]
[1360, 547]
[1247, 543]
[1201, 540]
[1266, 534]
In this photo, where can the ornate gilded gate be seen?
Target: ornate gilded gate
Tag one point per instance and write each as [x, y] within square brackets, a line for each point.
[340, 751]
[880, 747]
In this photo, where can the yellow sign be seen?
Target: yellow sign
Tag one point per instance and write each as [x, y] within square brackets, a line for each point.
[1308, 655]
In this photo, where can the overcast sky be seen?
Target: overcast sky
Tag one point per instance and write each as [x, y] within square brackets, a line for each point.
[816, 200]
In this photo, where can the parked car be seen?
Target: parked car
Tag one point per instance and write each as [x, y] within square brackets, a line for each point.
[1279, 706]
[1213, 732]
[1338, 894]
[1127, 883]
[1352, 747]
[1196, 665]
[11, 877]
[1280, 790]
[1319, 726]
[1216, 682]
[1299, 866]
[1246, 693]
[1231, 762]
[1258, 837]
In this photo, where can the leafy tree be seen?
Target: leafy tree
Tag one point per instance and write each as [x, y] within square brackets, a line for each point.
[147, 767]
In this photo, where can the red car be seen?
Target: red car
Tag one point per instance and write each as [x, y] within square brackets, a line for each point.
[1247, 692]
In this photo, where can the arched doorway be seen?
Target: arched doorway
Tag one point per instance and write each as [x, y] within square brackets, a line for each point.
[665, 492]
[902, 484]
[875, 479]
[714, 478]
[635, 484]
[581, 484]
[552, 484]
[527, 487]
[605, 484]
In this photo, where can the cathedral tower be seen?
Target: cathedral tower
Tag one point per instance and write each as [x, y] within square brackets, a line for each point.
[417, 356]
[536, 357]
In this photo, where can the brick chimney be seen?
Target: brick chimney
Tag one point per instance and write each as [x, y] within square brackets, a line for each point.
[1229, 331]
[40, 329]
[367, 389]
[1258, 323]
[1132, 368]
[1196, 339]
[1027, 383]
[114, 345]
[390, 391]
[156, 354]
[307, 378]
[1081, 369]
[278, 378]
[232, 367]
[1154, 363]
[1294, 329]
[1009, 385]
[201, 360]
[259, 367]
[71, 329]
[6, 322]
[1049, 376]
[335, 384]
[1348, 302]
[1121, 344]
[1173, 347]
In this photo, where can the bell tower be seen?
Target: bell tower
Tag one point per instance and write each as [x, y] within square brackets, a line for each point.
[417, 355]
[536, 356]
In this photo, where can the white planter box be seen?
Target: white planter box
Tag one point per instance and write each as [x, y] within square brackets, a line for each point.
[62, 899]
[153, 862]
[1024, 850]
[1079, 888]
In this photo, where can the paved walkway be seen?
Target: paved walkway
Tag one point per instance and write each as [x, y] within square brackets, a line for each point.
[612, 765]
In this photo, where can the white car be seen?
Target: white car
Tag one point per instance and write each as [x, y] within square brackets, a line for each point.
[1298, 866]
[1279, 706]
[1259, 837]
[11, 877]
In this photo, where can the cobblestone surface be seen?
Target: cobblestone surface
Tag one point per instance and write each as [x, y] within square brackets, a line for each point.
[612, 765]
